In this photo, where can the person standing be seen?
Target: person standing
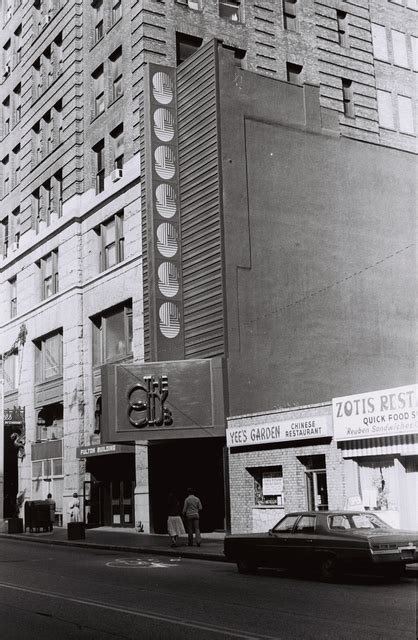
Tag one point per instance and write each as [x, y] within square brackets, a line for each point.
[52, 505]
[74, 508]
[191, 511]
[175, 526]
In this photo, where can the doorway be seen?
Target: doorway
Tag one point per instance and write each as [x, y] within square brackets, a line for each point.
[109, 495]
[315, 482]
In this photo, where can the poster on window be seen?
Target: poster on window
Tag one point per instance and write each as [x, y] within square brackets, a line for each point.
[272, 484]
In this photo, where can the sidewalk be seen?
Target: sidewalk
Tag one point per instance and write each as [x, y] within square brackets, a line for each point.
[130, 540]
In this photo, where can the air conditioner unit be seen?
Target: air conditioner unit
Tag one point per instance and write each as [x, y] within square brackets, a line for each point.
[46, 20]
[116, 175]
[7, 69]
[193, 4]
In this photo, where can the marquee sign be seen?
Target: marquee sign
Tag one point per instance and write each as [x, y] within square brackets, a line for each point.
[251, 433]
[390, 412]
[163, 400]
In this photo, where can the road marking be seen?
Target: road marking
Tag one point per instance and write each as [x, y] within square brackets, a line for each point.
[227, 632]
[139, 563]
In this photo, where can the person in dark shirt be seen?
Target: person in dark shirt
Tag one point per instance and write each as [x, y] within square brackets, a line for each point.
[191, 511]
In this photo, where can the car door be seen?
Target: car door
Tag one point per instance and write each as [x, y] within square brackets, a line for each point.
[276, 545]
[302, 541]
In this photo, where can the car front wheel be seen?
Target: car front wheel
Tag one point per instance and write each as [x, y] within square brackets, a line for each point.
[245, 566]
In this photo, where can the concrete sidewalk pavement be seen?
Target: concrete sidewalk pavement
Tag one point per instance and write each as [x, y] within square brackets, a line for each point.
[130, 540]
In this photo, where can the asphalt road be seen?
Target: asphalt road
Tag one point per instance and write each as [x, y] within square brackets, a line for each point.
[60, 593]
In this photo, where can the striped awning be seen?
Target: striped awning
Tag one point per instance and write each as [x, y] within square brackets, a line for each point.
[406, 445]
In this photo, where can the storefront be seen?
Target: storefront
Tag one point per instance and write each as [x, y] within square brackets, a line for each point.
[376, 434]
[279, 462]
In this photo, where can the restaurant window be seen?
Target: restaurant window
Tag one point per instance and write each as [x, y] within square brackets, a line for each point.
[268, 486]
[186, 46]
[100, 166]
[111, 241]
[230, 9]
[348, 97]
[112, 334]
[98, 85]
[48, 357]
[13, 296]
[11, 372]
[294, 72]
[49, 274]
[290, 15]
[117, 77]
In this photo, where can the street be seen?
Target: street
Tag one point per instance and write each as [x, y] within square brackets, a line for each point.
[60, 592]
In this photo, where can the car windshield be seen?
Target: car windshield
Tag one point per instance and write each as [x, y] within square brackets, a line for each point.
[356, 521]
[286, 524]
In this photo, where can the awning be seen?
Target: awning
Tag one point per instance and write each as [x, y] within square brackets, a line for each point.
[406, 445]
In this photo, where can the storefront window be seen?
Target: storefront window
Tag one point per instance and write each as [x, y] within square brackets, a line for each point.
[379, 484]
[268, 486]
[47, 477]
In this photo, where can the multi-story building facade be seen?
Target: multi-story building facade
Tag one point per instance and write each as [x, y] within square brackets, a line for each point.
[76, 270]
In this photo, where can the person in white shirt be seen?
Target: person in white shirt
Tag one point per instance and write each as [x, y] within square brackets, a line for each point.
[191, 511]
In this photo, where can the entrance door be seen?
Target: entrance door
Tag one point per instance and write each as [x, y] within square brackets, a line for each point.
[122, 503]
[317, 493]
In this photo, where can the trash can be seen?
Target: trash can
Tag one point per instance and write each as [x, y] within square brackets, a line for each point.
[76, 531]
[37, 516]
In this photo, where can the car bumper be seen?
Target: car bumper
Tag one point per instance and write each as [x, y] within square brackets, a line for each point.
[401, 555]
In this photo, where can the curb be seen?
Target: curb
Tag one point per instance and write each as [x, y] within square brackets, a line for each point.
[194, 555]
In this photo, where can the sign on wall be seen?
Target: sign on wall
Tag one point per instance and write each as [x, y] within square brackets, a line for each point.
[390, 412]
[163, 400]
[255, 433]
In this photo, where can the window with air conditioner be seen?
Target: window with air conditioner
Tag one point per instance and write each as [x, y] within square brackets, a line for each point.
[112, 334]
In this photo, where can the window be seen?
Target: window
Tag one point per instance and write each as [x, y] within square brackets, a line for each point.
[116, 10]
[48, 127]
[230, 9]
[7, 58]
[400, 56]
[100, 166]
[286, 524]
[293, 72]
[37, 142]
[406, 118]
[186, 46]
[16, 166]
[18, 44]
[48, 60]
[112, 334]
[37, 205]
[116, 137]
[7, 10]
[380, 45]
[49, 274]
[414, 53]
[98, 20]
[17, 102]
[48, 477]
[5, 236]
[342, 28]
[58, 59]
[385, 109]
[112, 241]
[13, 296]
[16, 227]
[58, 191]
[268, 486]
[98, 87]
[116, 65]
[6, 175]
[48, 357]
[57, 126]
[306, 524]
[290, 15]
[37, 78]
[6, 116]
[50, 424]
[11, 371]
[348, 102]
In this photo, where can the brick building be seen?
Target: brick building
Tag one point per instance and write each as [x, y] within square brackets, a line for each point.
[79, 274]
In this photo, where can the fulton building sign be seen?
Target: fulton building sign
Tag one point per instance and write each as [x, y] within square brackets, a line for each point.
[391, 412]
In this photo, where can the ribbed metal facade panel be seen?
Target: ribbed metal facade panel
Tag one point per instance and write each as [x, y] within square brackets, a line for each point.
[406, 445]
[201, 231]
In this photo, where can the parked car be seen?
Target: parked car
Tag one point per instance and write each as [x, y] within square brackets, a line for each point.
[329, 542]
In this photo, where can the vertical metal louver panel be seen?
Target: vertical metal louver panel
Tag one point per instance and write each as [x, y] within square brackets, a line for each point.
[201, 237]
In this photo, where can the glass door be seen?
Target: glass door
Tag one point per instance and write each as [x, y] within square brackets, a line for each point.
[122, 503]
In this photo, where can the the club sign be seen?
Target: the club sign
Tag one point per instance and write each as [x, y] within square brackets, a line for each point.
[146, 403]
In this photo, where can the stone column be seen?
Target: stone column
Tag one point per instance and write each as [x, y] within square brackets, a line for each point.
[142, 512]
